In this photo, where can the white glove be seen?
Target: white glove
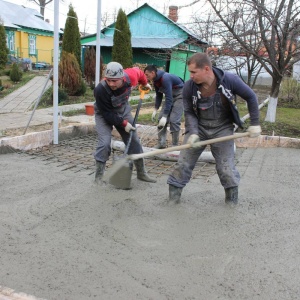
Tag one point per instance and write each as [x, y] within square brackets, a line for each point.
[148, 86]
[162, 122]
[254, 131]
[129, 127]
[194, 138]
[154, 115]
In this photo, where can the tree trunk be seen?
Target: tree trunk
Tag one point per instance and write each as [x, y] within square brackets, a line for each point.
[271, 112]
[272, 106]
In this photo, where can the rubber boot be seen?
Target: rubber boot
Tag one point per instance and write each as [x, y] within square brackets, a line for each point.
[232, 195]
[162, 138]
[175, 138]
[100, 167]
[174, 193]
[141, 172]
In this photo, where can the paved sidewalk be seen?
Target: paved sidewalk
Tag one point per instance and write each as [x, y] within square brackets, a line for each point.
[22, 99]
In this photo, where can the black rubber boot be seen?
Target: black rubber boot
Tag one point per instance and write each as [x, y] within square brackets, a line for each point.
[175, 138]
[162, 138]
[232, 195]
[141, 172]
[174, 193]
[100, 168]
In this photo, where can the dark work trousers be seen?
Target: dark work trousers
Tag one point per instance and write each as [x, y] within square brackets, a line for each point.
[104, 131]
[214, 122]
[174, 117]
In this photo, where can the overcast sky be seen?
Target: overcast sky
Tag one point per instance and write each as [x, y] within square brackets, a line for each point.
[86, 10]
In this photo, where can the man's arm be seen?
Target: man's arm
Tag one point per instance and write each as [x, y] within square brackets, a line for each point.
[167, 88]
[245, 92]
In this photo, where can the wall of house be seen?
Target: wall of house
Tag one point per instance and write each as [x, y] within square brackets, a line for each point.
[44, 46]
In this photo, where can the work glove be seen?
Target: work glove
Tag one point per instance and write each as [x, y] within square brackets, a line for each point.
[128, 126]
[193, 139]
[162, 122]
[154, 115]
[148, 86]
[254, 131]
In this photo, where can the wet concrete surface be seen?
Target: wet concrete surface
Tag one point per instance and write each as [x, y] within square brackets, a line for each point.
[64, 237]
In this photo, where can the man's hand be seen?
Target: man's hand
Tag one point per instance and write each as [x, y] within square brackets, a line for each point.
[194, 138]
[162, 122]
[148, 86]
[254, 131]
[127, 126]
[154, 115]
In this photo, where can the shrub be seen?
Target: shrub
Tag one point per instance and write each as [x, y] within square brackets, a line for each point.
[47, 98]
[15, 73]
[90, 66]
[3, 48]
[69, 73]
[82, 89]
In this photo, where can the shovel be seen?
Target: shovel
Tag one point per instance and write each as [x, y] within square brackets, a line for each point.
[120, 173]
[124, 163]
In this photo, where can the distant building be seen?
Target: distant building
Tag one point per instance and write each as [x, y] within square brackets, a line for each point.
[27, 34]
[155, 38]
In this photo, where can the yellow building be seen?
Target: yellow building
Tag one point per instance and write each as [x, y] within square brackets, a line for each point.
[27, 34]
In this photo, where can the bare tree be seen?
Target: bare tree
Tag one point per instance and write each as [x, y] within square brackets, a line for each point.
[276, 26]
[42, 4]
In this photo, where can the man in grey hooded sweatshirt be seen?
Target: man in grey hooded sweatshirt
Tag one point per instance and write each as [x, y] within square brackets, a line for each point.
[210, 111]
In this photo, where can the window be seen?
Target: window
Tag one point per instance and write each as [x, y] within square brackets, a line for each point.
[32, 45]
[10, 41]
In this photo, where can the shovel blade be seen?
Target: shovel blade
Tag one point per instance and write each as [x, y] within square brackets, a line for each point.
[120, 174]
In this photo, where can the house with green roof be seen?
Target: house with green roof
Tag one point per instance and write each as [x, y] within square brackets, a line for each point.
[155, 39]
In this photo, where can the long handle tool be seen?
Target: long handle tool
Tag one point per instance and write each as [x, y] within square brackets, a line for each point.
[122, 177]
[122, 164]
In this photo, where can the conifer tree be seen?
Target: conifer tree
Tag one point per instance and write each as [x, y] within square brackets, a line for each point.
[69, 75]
[15, 74]
[3, 48]
[71, 38]
[90, 66]
[122, 49]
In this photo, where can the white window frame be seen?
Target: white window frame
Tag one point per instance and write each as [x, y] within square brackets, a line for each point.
[32, 45]
[10, 41]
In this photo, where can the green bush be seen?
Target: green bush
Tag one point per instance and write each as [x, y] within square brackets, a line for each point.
[62, 95]
[69, 73]
[15, 73]
[82, 89]
[47, 98]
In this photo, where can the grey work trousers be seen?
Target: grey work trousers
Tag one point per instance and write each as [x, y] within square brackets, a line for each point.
[104, 131]
[174, 117]
[223, 152]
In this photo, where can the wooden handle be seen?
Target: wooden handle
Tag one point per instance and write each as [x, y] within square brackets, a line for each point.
[186, 146]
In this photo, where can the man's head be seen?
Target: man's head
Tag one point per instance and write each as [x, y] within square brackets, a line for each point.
[200, 68]
[114, 74]
[150, 72]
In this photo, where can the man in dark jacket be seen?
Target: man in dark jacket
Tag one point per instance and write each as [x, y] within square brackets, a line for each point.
[172, 110]
[112, 109]
[209, 99]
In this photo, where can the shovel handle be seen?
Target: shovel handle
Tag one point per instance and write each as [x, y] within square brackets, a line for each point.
[133, 124]
[187, 146]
